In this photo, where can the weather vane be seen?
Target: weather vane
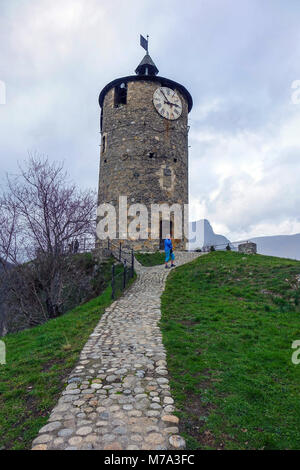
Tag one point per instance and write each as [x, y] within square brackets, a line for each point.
[144, 42]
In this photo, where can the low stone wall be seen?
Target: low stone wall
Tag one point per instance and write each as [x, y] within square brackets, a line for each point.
[248, 248]
[147, 246]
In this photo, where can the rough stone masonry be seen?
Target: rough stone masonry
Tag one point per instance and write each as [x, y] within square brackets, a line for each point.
[144, 156]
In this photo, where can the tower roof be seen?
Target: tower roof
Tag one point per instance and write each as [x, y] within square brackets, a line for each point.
[146, 67]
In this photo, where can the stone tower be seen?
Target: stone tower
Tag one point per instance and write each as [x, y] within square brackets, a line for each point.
[144, 145]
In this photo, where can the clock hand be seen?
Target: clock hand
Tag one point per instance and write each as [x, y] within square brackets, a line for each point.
[168, 102]
[172, 104]
[164, 95]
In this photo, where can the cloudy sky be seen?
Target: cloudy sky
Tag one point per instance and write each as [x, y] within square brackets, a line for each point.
[238, 58]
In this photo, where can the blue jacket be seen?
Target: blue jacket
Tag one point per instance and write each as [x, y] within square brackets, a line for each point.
[168, 245]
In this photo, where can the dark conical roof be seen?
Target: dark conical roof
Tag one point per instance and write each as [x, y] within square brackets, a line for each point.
[146, 67]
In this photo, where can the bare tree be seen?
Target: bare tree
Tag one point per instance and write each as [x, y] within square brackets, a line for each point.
[41, 214]
[45, 209]
[8, 234]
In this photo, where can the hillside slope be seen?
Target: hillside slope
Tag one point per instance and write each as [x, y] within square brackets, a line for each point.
[39, 361]
[85, 279]
[228, 322]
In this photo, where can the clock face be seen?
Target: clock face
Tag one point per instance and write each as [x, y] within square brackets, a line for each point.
[167, 103]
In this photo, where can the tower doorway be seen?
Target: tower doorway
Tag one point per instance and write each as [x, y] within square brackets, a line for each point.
[165, 228]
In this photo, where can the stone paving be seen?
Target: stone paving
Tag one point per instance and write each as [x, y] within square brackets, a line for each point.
[118, 396]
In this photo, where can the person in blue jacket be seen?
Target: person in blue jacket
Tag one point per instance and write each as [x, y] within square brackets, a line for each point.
[169, 252]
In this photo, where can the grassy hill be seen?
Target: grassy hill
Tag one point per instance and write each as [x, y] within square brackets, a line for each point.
[39, 361]
[151, 259]
[228, 324]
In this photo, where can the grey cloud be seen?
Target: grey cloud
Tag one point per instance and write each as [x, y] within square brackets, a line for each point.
[57, 55]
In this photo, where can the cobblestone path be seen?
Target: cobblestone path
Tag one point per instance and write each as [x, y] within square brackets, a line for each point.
[118, 396]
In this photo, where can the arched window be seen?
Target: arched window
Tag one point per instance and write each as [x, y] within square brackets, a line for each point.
[120, 95]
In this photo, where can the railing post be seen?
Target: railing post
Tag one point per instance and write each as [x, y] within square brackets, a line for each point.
[113, 282]
[132, 262]
[120, 252]
[124, 276]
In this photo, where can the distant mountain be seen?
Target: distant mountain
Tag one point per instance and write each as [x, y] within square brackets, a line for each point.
[283, 246]
[205, 236]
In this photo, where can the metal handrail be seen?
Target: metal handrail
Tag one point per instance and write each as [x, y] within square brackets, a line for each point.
[118, 252]
[230, 244]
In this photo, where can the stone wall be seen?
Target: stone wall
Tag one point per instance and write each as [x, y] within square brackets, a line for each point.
[145, 156]
[248, 248]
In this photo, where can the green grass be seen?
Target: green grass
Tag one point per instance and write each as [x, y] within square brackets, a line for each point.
[151, 259]
[39, 361]
[228, 324]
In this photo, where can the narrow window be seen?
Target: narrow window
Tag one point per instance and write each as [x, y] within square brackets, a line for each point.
[167, 178]
[120, 95]
[104, 143]
[101, 119]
